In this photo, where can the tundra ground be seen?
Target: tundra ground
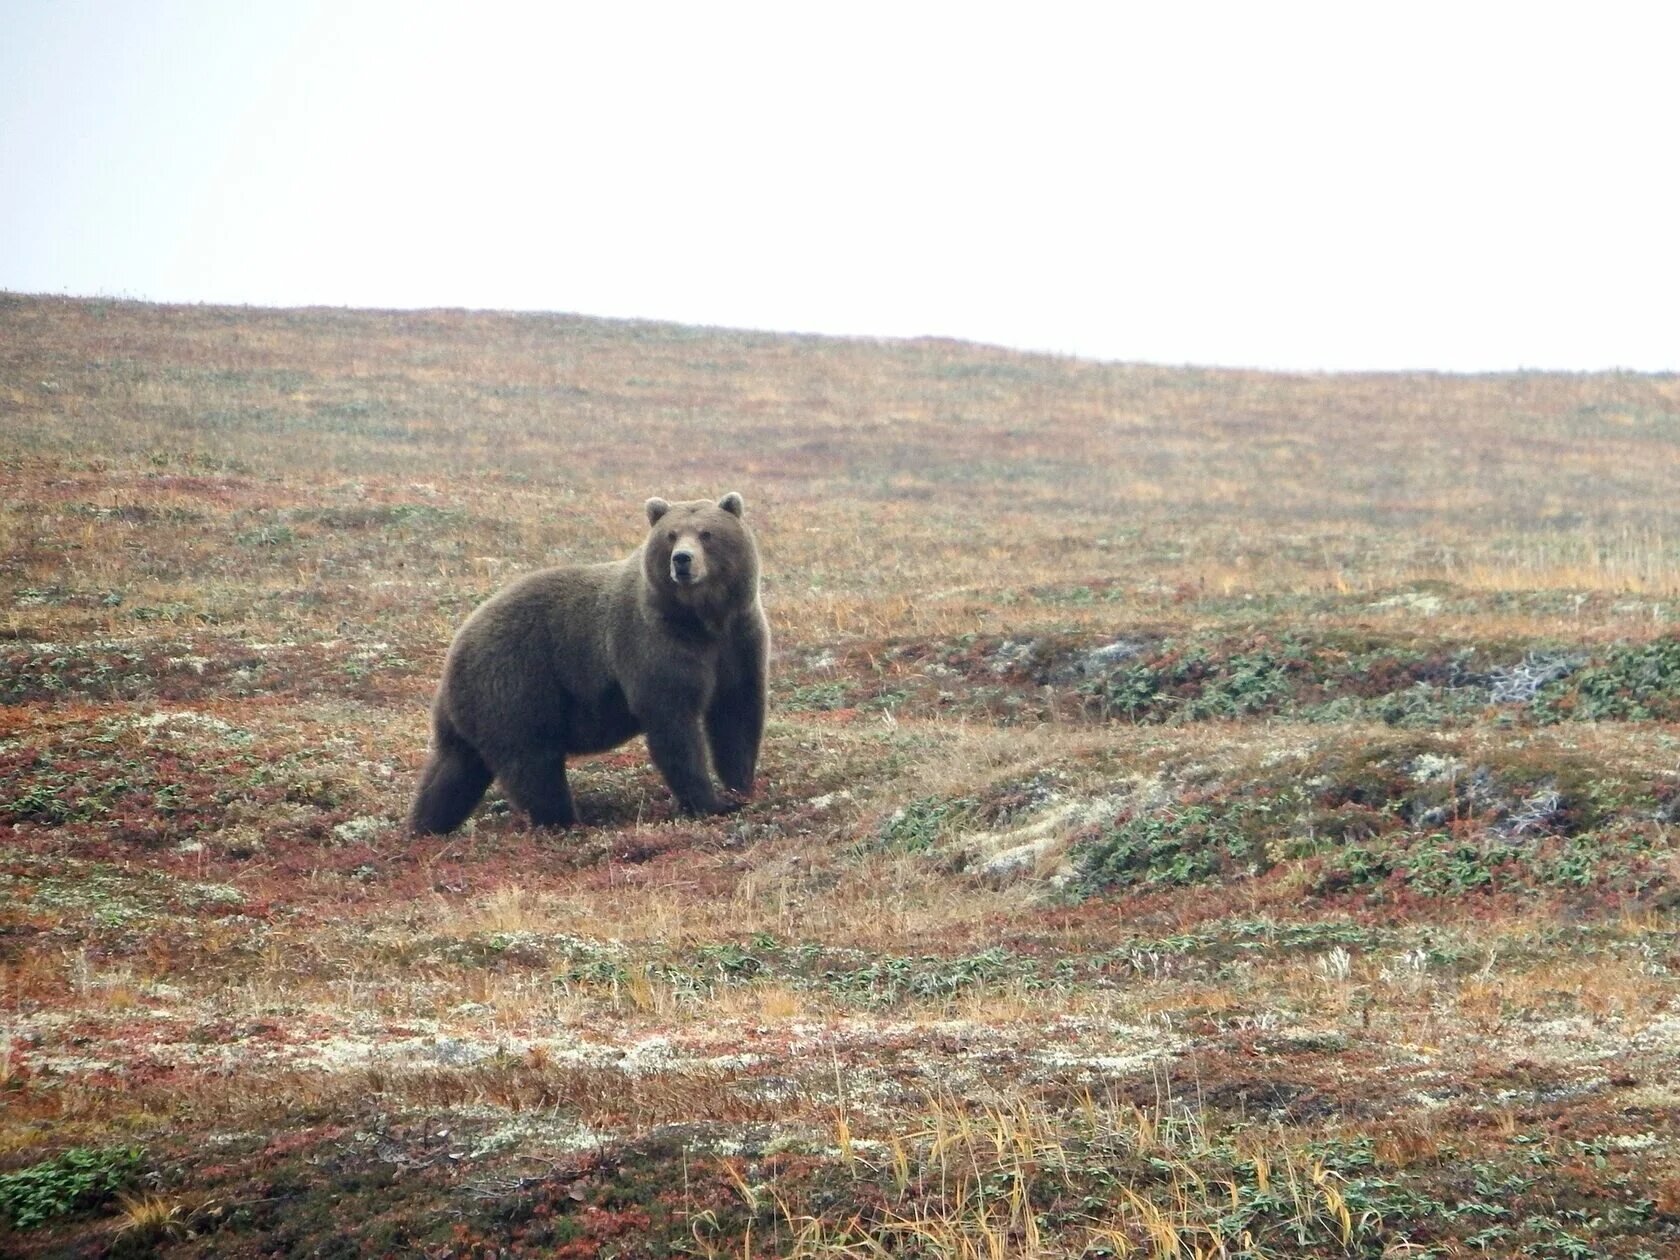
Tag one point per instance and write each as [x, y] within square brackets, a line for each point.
[1205, 813]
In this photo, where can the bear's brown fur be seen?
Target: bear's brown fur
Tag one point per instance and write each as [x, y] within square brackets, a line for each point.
[670, 642]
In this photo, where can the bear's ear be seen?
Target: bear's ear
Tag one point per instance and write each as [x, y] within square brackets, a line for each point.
[733, 503]
[655, 509]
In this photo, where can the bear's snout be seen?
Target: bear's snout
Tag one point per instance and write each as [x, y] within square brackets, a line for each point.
[688, 565]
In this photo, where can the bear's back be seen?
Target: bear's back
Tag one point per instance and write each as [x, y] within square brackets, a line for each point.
[546, 631]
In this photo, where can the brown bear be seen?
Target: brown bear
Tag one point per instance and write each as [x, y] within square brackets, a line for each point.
[670, 642]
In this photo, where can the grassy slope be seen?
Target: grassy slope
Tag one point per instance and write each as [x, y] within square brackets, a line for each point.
[1204, 810]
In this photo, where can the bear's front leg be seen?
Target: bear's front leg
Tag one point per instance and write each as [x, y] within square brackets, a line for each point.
[735, 716]
[679, 751]
[735, 727]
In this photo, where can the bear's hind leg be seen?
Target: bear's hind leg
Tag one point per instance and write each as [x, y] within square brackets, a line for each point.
[536, 782]
[450, 787]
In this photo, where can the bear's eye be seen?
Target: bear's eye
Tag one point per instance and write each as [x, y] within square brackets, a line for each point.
[705, 535]
[671, 537]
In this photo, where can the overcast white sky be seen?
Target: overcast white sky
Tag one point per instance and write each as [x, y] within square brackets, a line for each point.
[1459, 186]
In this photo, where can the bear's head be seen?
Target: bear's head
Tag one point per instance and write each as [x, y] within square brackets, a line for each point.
[700, 555]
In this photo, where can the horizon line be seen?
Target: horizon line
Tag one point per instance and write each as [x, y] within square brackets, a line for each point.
[853, 337]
